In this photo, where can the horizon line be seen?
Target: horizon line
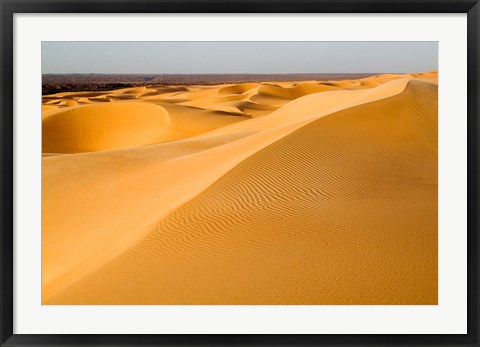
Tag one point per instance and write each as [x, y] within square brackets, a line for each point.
[236, 73]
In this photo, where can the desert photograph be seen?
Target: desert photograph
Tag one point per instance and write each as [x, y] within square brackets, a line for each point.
[239, 173]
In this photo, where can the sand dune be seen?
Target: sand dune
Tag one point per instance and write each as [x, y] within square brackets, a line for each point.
[237, 89]
[104, 126]
[328, 199]
[48, 107]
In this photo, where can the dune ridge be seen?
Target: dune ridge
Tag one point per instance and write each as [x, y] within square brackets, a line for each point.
[174, 183]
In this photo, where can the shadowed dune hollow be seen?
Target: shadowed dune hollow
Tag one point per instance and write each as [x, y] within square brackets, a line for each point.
[298, 193]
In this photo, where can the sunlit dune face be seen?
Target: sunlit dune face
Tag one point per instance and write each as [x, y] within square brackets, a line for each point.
[306, 192]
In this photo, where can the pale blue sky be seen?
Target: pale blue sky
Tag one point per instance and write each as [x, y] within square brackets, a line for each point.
[238, 57]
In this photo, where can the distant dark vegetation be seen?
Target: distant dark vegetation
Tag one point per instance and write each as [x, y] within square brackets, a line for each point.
[57, 83]
[50, 88]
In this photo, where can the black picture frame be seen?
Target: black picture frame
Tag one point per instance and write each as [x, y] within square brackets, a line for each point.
[9, 7]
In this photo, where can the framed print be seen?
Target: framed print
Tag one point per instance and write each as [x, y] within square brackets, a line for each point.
[241, 173]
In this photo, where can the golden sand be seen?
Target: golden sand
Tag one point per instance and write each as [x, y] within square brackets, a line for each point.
[256, 193]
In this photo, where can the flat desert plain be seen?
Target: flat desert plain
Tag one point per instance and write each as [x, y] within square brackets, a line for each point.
[312, 192]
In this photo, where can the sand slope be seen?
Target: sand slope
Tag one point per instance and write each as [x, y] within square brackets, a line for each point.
[331, 199]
